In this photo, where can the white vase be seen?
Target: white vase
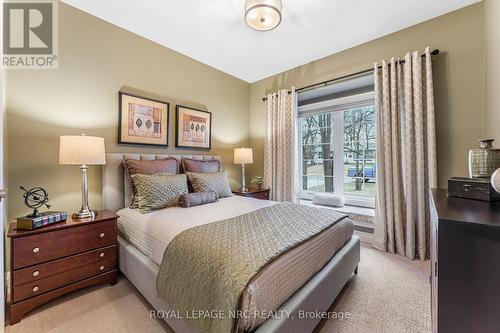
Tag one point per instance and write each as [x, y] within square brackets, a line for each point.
[495, 180]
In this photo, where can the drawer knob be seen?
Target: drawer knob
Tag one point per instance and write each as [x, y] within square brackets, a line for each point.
[36, 273]
[101, 254]
[35, 289]
[36, 250]
[101, 235]
[101, 268]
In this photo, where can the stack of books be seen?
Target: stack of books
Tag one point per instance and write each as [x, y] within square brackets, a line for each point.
[47, 218]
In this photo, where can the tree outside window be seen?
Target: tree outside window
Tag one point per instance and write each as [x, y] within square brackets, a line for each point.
[318, 142]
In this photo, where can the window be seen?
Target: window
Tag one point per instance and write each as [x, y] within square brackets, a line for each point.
[337, 148]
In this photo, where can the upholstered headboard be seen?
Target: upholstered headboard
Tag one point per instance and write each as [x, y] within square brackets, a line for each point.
[115, 194]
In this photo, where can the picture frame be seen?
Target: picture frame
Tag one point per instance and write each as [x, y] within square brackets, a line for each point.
[142, 121]
[193, 128]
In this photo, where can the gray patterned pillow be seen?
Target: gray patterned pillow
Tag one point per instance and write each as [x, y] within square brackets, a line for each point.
[169, 165]
[159, 190]
[216, 181]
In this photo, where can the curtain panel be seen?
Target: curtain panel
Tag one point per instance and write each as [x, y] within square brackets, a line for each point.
[280, 156]
[406, 154]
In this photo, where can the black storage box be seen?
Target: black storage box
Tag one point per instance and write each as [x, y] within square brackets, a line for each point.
[472, 188]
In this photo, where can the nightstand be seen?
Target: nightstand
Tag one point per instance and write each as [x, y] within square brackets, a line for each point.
[55, 260]
[255, 193]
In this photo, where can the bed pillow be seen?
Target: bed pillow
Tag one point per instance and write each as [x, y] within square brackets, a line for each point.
[200, 166]
[133, 167]
[215, 181]
[196, 199]
[159, 190]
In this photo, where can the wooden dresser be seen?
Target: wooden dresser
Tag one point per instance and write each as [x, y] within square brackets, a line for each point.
[465, 255]
[55, 260]
[255, 193]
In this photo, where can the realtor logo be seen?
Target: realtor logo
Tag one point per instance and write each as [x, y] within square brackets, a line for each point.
[30, 34]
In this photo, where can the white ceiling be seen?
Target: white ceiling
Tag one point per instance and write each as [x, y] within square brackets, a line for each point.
[214, 31]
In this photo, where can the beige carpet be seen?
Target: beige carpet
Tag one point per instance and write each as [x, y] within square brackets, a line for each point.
[390, 294]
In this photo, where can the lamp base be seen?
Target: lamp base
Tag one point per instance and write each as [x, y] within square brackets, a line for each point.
[84, 214]
[244, 189]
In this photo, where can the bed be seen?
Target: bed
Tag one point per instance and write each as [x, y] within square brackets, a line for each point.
[331, 257]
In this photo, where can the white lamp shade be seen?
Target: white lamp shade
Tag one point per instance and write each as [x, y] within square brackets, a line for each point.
[243, 156]
[81, 149]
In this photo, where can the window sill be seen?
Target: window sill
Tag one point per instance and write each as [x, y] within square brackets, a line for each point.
[361, 216]
[347, 209]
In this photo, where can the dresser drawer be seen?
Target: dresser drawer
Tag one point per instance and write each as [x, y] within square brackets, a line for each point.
[42, 271]
[41, 286]
[35, 249]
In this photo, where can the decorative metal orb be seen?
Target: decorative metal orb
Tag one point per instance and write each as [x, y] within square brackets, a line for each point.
[35, 198]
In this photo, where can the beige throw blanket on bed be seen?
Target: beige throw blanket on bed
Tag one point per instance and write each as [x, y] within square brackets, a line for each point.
[206, 268]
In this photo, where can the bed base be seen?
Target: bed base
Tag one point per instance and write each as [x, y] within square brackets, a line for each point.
[318, 294]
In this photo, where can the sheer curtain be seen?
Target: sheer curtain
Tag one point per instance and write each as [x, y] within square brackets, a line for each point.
[406, 154]
[280, 156]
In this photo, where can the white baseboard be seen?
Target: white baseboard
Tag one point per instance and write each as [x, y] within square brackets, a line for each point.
[7, 287]
[364, 237]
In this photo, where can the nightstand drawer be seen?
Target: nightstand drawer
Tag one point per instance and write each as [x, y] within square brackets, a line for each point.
[43, 271]
[35, 249]
[260, 195]
[55, 281]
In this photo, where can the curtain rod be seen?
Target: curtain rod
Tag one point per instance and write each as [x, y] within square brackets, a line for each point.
[348, 76]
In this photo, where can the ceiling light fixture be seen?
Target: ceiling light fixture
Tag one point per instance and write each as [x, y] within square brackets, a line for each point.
[263, 15]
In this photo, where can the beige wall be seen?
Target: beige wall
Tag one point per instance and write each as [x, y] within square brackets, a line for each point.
[492, 55]
[458, 82]
[96, 60]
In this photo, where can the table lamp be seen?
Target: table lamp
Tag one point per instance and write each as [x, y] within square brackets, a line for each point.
[82, 150]
[243, 156]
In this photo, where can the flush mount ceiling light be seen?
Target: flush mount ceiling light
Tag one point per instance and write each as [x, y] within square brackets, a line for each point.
[263, 15]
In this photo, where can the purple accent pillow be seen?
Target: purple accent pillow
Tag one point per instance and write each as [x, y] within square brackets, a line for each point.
[199, 198]
[200, 166]
[134, 167]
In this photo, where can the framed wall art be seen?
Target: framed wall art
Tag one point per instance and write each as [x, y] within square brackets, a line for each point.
[193, 128]
[142, 121]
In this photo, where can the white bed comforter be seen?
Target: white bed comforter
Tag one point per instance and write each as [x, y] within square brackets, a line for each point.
[151, 233]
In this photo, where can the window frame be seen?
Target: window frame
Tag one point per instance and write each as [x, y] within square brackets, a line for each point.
[336, 106]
